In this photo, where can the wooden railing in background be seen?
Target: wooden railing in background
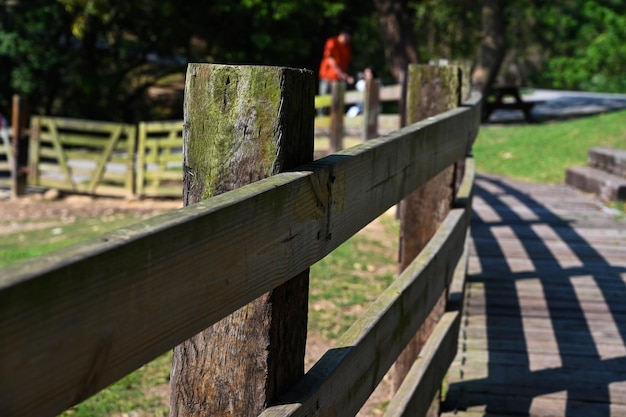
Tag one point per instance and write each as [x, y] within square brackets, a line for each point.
[74, 164]
[13, 150]
[159, 159]
[367, 123]
[74, 321]
[6, 157]
[82, 156]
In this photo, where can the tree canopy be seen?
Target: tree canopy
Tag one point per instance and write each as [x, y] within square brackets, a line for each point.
[99, 58]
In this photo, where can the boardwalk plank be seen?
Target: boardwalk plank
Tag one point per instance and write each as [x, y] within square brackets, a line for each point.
[545, 319]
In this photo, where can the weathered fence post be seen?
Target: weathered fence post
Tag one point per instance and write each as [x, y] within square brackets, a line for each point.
[466, 90]
[430, 90]
[371, 104]
[19, 121]
[243, 123]
[402, 101]
[337, 110]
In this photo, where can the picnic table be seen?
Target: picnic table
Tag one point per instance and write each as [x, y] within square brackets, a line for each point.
[507, 98]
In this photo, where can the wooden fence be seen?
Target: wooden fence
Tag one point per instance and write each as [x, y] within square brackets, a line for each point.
[111, 159]
[159, 169]
[6, 158]
[75, 321]
[366, 125]
[82, 156]
[103, 158]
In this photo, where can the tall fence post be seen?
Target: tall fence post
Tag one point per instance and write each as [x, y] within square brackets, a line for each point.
[19, 120]
[430, 90]
[337, 108]
[466, 90]
[371, 105]
[402, 101]
[243, 123]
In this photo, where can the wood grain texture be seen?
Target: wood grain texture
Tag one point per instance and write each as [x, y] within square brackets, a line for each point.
[415, 395]
[342, 380]
[431, 90]
[74, 321]
[378, 336]
[241, 363]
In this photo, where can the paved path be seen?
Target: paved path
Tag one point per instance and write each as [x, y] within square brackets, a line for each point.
[544, 328]
[559, 104]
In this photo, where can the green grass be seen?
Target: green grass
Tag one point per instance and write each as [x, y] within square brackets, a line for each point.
[140, 393]
[542, 152]
[351, 277]
[48, 235]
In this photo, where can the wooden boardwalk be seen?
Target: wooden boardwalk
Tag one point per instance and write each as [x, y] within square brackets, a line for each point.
[544, 326]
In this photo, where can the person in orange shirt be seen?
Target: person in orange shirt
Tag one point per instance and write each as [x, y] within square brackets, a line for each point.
[335, 61]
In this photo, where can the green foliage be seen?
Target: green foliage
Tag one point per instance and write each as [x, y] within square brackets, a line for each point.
[573, 44]
[97, 58]
[31, 49]
[447, 30]
[598, 60]
[542, 152]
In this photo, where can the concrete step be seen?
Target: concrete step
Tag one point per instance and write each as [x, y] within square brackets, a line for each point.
[592, 180]
[608, 159]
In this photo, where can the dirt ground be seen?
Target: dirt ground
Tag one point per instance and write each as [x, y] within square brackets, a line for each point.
[36, 206]
[26, 213]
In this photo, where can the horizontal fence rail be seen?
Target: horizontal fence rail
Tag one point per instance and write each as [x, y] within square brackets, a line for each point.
[344, 378]
[74, 321]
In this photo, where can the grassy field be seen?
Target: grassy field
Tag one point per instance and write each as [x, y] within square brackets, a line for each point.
[46, 235]
[542, 152]
[351, 277]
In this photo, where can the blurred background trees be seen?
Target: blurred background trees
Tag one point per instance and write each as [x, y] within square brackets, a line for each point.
[125, 60]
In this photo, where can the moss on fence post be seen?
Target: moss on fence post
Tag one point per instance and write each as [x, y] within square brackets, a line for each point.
[431, 90]
[242, 124]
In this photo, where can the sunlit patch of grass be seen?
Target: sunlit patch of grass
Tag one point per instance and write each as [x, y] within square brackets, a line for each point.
[48, 235]
[542, 152]
[345, 282]
[139, 394]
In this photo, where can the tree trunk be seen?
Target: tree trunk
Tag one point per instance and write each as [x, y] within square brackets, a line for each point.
[493, 46]
[400, 43]
[398, 35]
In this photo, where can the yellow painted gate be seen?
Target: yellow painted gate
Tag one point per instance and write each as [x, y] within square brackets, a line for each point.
[82, 156]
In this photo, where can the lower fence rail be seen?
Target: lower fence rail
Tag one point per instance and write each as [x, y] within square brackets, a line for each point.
[344, 378]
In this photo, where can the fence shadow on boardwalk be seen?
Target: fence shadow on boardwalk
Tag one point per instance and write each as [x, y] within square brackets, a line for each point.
[553, 313]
